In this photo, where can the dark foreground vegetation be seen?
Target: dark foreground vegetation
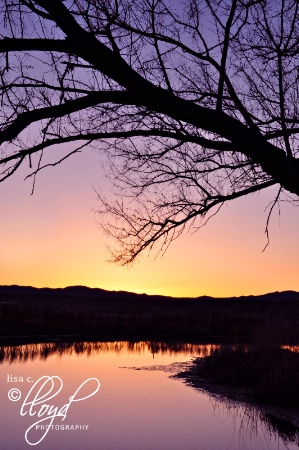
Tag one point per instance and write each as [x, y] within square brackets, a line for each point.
[78, 310]
[269, 374]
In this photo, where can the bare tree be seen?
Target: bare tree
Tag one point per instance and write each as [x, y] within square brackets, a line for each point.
[195, 102]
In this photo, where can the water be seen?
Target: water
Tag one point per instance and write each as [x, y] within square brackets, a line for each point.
[138, 406]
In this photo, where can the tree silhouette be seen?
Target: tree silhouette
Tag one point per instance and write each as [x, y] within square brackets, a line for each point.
[194, 102]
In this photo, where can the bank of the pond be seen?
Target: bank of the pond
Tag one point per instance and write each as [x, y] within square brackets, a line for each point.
[262, 381]
[267, 375]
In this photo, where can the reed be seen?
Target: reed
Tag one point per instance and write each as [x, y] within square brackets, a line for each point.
[269, 374]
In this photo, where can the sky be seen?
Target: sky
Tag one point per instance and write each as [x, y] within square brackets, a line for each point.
[52, 239]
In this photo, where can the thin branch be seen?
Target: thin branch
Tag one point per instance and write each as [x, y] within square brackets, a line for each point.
[275, 201]
[56, 163]
[224, 54]
[128, 253]
[23, 120]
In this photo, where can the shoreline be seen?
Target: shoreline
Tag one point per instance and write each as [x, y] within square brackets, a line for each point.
[283, 419]
[11, 340]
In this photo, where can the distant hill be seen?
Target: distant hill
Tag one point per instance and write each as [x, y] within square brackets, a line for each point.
[83, 291]
[74, 291]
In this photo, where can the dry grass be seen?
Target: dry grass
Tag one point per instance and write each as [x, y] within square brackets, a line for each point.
[270, 374]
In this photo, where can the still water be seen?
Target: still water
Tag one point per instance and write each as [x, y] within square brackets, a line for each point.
[120, 396]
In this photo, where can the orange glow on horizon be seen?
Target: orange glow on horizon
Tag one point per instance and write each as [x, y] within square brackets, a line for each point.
[51, 239]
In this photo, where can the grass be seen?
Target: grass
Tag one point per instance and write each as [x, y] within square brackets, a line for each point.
[270, 374]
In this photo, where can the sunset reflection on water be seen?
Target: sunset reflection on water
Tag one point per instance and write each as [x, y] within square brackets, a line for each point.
[140, 409]
[23, 353]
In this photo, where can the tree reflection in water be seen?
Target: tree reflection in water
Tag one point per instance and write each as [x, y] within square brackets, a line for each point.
[30, 352]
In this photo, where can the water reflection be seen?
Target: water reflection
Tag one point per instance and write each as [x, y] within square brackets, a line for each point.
[137, 409]
[30, 352]
[254, 421]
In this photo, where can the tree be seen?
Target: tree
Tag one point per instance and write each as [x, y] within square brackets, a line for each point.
[194, 102]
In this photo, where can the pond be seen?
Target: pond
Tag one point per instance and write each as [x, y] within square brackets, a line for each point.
[121, 396]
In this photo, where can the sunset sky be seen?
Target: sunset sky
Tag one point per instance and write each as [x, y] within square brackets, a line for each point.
[52, 239]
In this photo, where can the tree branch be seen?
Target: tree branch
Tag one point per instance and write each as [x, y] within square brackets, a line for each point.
[224, 54]
[42, 45]
[144, 234]
[25, 119]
